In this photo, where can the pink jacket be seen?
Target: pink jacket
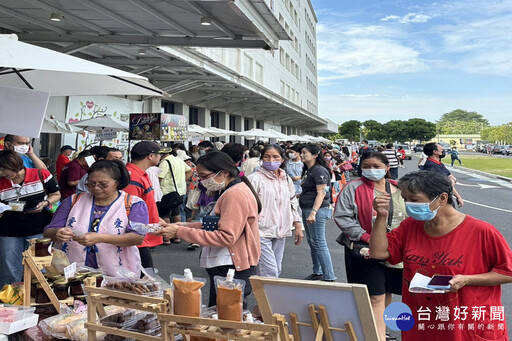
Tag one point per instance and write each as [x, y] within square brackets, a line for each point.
[238, 227]
[279, 203]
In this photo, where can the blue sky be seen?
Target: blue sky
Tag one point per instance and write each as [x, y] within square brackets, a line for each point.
[399, 59]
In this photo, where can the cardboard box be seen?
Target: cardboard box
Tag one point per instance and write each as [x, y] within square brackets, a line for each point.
[17, 326]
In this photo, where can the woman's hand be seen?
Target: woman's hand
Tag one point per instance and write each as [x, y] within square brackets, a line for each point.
[88, 239]
[169, 231]
[311, 217]
[298, 233]
[64, 234]
[39, 207]
[381, 203]
[457, 283]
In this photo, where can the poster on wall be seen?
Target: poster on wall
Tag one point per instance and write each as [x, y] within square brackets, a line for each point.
[145, 126]
[84, 107]
[174, 127]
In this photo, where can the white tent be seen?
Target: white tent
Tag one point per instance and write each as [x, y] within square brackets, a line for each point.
[254, 134]
[298, 138]
[277, 135]
[102, 122]
[33, 67]
[51, 125]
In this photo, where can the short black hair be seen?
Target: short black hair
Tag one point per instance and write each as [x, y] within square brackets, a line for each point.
[429, 148]
[389, 146]
[234, 150]
[205, 144]
[430, 183]
[115, 168]
[254, 152]
[99, 152]
[83, 154]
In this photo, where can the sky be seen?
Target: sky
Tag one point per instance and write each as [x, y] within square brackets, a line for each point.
[400, 59]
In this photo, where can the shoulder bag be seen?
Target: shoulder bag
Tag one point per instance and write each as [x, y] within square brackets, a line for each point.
[173, 199]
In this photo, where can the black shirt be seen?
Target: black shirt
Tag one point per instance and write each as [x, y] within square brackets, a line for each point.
[317, 175]
[436, 167]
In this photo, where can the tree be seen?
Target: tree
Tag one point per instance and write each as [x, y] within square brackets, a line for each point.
[350, 130]
[500, 133]
[462, 122]
[396, 130]
[372, 130]
[419, 129]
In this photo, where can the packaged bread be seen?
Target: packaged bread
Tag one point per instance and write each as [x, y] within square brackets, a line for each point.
[133, 286]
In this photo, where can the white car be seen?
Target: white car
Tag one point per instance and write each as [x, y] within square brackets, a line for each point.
[408, 151]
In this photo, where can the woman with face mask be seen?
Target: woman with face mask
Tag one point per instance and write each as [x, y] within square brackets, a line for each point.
[436, 239]
[354, 215]
[232, 239]
[279, 209]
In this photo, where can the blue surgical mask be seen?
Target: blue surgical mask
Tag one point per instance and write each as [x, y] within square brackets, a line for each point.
[374, 174]
[420, 210]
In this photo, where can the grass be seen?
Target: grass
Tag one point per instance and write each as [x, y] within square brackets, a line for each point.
[498, 166]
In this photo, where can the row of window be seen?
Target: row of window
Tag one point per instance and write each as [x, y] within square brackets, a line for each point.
[289, 63]
[311, 86]
[312, 107]
[293, 12]
[252, 69]
[294, 40]
[289, 93]
[310, 64]
[309, 22]
[310, 43]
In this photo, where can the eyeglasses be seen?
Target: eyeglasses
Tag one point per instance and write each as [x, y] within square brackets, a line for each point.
[99, 184]
[204, 176]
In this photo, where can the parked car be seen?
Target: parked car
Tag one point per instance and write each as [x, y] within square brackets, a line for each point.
[408, 151]
[418, 148]
[507, 150]
[497, 149]
[446, 146]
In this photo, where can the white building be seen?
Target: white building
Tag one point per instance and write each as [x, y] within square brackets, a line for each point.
[252, 65]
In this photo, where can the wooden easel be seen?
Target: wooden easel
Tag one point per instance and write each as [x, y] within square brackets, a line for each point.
[219, 329]
[320, 324]
[33, 265]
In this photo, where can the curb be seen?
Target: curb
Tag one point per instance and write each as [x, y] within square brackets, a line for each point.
[489, 175]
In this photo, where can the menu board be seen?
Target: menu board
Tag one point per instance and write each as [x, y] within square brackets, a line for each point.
[174, 127]
[145, 126]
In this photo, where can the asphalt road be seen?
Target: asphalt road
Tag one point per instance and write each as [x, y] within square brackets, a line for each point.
[486, 199]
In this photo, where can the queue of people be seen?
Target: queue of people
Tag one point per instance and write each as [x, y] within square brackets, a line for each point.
[240, 205]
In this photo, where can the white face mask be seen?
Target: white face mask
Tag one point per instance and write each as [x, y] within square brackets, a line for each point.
[213, 186]
[23, 149]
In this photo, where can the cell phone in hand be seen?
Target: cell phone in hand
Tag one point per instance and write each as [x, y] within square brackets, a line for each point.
[440, 282]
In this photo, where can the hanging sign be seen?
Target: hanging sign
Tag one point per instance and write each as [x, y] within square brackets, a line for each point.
[145, 126]
[174, 127]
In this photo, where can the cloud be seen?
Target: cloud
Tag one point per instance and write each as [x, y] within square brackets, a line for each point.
[408, 18]
[356, 50]
[362, 107]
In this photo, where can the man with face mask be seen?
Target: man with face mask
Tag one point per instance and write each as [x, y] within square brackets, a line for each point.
[22, 146]
[435, 153]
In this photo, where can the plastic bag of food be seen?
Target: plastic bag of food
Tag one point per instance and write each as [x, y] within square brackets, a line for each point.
[186, 294]
[230, 294]
[133, 286]
[59, 261]
[76, 330]
[56, 326]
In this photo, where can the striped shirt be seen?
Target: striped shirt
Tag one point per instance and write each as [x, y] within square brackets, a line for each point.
[391, 155]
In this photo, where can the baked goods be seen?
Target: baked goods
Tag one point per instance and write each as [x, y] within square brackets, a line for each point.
[134, 287]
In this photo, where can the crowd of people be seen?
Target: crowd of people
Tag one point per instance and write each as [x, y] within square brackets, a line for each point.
[241, 204]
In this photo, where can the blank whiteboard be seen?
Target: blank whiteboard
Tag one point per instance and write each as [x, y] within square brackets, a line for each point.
[344, 302]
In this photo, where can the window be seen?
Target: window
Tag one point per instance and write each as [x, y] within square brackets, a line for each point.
[215, 119]
[248, 61]
[258, 76]
[168, 107]
[193, 115]
[282, 88]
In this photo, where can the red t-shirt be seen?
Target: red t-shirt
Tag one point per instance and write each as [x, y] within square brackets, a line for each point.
[474, 247]
[73, 171]
[141, 186]
[62, 160]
